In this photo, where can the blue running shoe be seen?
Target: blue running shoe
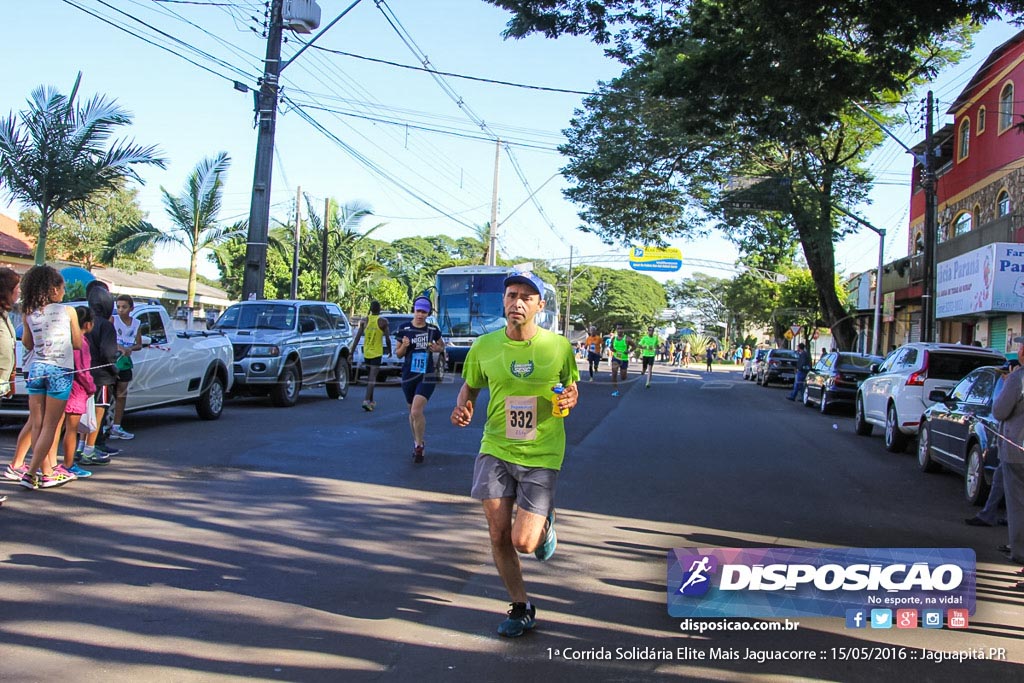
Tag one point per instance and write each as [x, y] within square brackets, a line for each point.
[546, 549]
[79, 472]
[95, 459]
[107, 450]
[520, 620]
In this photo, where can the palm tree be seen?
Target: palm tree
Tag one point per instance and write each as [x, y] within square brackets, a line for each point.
[193, 216]
[351, 263]
[54, 155]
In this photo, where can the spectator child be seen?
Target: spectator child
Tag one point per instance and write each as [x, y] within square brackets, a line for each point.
[82, 388]
[51, 330]
[103, 349]
[129, 339]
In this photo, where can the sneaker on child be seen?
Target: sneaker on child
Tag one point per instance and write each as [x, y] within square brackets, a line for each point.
[15, 473]
[117, 433]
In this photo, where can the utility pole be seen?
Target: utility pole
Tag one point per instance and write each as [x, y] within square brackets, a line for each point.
[295, 251]
[323, 249]
[568, 299]
[928, 182]
[492, 256]
[877, 328]
[254, 273]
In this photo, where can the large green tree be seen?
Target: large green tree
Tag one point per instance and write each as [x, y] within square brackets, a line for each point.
[703, 296]
[78, 234]
[606, 296]
[58, 152]
[717, 90]
[193, 218]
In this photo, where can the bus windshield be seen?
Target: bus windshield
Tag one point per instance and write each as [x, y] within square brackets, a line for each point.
[470, 305]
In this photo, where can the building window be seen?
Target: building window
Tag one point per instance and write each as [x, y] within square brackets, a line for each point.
[962, 224]
[964, 140]
[1006, 107]
[981, 120]
[1003, 204]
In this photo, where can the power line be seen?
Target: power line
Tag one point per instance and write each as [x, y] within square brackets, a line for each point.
[370, 165]
[478, 79]
[177, 40]
[440, 131]
[145, 40]
[406, 38]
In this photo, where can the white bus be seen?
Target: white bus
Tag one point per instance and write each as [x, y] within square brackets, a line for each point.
[470, 303]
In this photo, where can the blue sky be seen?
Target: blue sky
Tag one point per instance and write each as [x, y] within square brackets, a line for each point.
[192, 113]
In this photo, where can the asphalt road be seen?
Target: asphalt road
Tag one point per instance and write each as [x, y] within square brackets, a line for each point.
[304, 544]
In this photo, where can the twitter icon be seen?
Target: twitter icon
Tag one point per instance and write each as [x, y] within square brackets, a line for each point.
[881, 618]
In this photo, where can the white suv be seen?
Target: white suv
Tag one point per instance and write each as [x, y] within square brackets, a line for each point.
[896, 395]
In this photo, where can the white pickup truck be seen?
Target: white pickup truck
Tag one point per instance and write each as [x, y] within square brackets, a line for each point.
[173, 367]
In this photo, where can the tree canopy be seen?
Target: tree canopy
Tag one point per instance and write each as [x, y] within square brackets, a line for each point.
[78, 234]
[58, 152]
[716, 91]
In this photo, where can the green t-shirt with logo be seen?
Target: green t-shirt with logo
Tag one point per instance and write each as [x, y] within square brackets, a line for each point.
[519, 375]
[648, 346]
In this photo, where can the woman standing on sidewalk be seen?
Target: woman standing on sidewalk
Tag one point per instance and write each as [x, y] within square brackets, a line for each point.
[9, 285]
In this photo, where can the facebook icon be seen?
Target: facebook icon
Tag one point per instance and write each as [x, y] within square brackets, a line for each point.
[856, 618]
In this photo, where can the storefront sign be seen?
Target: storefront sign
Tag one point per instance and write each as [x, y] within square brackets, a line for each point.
[990, 278]
[888, 307]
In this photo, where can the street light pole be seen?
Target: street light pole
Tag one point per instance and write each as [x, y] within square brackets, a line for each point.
[928, 182]
[255, 271]
[254, 274]
[876, 335]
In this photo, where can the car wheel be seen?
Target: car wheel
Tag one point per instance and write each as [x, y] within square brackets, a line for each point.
[285, 393]
[924, 450]
[211, 401]
[975, 487]
[806, 398]
[895, 440]
[860, 425]
[338, 388]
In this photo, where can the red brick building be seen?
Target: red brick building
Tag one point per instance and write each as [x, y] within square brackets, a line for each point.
[980, 171]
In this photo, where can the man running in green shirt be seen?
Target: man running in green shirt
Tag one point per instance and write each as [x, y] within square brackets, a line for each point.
[524, 442]
[622, 346]
[648, 349]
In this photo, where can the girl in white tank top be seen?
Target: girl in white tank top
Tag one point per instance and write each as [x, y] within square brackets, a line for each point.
[52, 334]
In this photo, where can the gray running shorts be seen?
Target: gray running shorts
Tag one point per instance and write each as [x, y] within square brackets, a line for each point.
[532, 487]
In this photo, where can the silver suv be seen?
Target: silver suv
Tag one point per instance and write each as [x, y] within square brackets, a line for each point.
[897, 393]
[281, 346]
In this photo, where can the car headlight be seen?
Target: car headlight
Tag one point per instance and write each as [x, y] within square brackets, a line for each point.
[264, 351]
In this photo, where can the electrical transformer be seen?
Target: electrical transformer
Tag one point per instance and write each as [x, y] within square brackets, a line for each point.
[301, 16]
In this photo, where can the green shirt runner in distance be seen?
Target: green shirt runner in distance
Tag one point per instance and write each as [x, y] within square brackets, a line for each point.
[620, 348]
[522, 369]
[648, 346]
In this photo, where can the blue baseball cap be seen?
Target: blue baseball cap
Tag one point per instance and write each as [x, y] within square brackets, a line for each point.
[526, 278]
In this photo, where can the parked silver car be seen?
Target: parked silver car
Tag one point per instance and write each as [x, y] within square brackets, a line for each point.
[281, 346]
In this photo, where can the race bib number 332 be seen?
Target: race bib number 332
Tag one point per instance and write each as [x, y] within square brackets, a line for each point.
[521, 418]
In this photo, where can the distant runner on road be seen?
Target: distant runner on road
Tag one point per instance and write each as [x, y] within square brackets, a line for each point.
[595, 347]
[524, 442]
[621, 346]
[418, 341]
[648, 349]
